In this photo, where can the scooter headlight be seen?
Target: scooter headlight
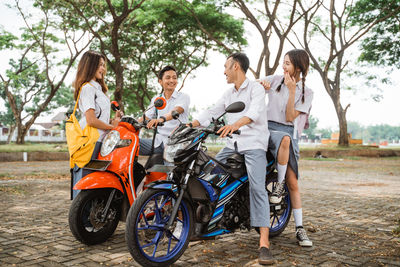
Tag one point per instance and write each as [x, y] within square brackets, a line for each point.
[170, 150]
[109, 143]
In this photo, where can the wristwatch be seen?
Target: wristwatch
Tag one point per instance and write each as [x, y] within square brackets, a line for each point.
[162, 117]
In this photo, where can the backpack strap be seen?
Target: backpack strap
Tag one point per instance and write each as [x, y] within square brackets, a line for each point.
[77, 99]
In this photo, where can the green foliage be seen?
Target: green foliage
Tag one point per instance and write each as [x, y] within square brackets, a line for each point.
[374, 133]
[159, 33]
[6, 39]
[382, 45]
[311, 131]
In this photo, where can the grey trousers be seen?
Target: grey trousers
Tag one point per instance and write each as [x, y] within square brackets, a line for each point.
[256, 162]
[145, 147]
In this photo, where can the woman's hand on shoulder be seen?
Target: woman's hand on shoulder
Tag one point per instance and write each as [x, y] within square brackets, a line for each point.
[266, 84]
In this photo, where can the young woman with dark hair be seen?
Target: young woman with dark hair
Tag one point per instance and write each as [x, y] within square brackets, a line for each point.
[289, 104]
[94, 104]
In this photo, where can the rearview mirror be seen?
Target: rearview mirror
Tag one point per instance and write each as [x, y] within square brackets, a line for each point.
[235, 107]
[160, 103]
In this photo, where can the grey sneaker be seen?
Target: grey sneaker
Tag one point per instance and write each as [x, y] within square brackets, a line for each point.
[265, 257]
[302, 237]
[276, 196]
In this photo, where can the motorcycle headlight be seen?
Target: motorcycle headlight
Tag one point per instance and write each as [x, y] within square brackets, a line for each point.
[109, 143]
[170, 150]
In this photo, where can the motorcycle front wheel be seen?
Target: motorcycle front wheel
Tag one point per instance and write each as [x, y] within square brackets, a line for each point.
[149, 243]
[85, 216]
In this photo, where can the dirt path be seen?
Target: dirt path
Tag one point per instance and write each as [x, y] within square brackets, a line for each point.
[351, 208]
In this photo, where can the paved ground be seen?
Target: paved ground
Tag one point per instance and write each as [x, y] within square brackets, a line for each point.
[351, 208]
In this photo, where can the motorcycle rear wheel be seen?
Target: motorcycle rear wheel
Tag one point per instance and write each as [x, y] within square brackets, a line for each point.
[148, 242]
[279, 213]
[85, 213]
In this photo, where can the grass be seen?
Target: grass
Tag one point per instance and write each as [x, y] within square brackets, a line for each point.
[351, 147]
[396, 230]
[34, 147]
[17, 190]
[320, 159]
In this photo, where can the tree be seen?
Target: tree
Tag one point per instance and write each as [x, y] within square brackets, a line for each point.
[333, 24]
[382, 45]
[274, 21]
[138, 37]
[32, 81]
[312, 129]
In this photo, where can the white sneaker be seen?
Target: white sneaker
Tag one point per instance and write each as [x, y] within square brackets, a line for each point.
[276, 196]
[178, 230]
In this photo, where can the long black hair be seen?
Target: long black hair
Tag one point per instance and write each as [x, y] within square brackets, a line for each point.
[300, 60]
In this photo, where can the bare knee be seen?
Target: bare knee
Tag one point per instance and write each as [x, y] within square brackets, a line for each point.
[292, 184]
[285, 143]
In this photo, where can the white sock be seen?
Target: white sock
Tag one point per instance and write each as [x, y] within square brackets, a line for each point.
[281, 172]
[298, 217]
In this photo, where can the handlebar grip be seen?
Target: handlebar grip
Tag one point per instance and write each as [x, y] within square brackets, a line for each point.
[237, 132]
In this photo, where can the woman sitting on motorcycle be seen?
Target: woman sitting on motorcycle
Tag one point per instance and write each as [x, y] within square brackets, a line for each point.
[289, 103]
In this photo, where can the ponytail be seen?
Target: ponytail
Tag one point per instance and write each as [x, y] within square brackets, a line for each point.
[303, 79]
[279, 87]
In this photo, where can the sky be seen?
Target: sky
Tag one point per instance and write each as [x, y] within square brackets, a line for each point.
[209, 83]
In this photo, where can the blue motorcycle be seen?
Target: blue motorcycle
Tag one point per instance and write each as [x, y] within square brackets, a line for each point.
[201, 198]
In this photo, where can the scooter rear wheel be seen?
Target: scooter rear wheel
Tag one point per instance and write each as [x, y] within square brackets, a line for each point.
[85, 216]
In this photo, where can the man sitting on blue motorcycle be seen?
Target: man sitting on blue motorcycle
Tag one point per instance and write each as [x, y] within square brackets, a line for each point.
[252, 141]
[178, 101]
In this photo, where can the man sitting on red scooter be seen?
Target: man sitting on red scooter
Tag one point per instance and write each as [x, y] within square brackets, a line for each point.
[178, 101]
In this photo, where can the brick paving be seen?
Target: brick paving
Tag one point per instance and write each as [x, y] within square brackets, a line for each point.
[351, 208]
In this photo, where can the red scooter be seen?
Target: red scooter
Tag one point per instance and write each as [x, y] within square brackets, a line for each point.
[114, 183]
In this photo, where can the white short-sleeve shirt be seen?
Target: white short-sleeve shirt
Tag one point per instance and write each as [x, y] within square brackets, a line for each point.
[92, 97]
[254, 135]
[177, 99]
[278, 100]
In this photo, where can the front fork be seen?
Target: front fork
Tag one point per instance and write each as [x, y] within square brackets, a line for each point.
[107, 207]
[168, 226]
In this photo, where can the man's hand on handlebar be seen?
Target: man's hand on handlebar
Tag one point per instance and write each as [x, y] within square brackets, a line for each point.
[227, 130]
[154, 122]
[193, 124]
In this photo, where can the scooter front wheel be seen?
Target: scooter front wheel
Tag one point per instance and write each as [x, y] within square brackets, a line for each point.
[149, 243]
[85, 216]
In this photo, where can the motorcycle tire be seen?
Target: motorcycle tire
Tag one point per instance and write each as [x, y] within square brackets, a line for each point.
[85, 214]
[279, 218]
[148, 242]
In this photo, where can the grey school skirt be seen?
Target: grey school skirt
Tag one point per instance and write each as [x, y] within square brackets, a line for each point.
[277, 132]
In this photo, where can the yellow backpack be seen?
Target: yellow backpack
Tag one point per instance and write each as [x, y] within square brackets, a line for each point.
[80, 142]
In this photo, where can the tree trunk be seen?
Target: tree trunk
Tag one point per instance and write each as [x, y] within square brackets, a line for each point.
[21, 133]
[10, 134]
[343, 135]
[119, 84]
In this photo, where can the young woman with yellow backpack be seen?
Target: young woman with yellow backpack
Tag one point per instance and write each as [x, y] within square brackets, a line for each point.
[84, 137]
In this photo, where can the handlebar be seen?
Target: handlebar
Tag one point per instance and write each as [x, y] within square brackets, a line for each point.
[216, 129]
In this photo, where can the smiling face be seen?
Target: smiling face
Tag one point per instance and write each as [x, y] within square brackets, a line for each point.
[101, 70]
[169, 80]
[230, 70]
[288, 67]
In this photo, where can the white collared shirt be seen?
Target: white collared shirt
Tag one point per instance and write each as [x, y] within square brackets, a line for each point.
[254, 135]
[177, 99]
[92, 97]
[278, 101]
